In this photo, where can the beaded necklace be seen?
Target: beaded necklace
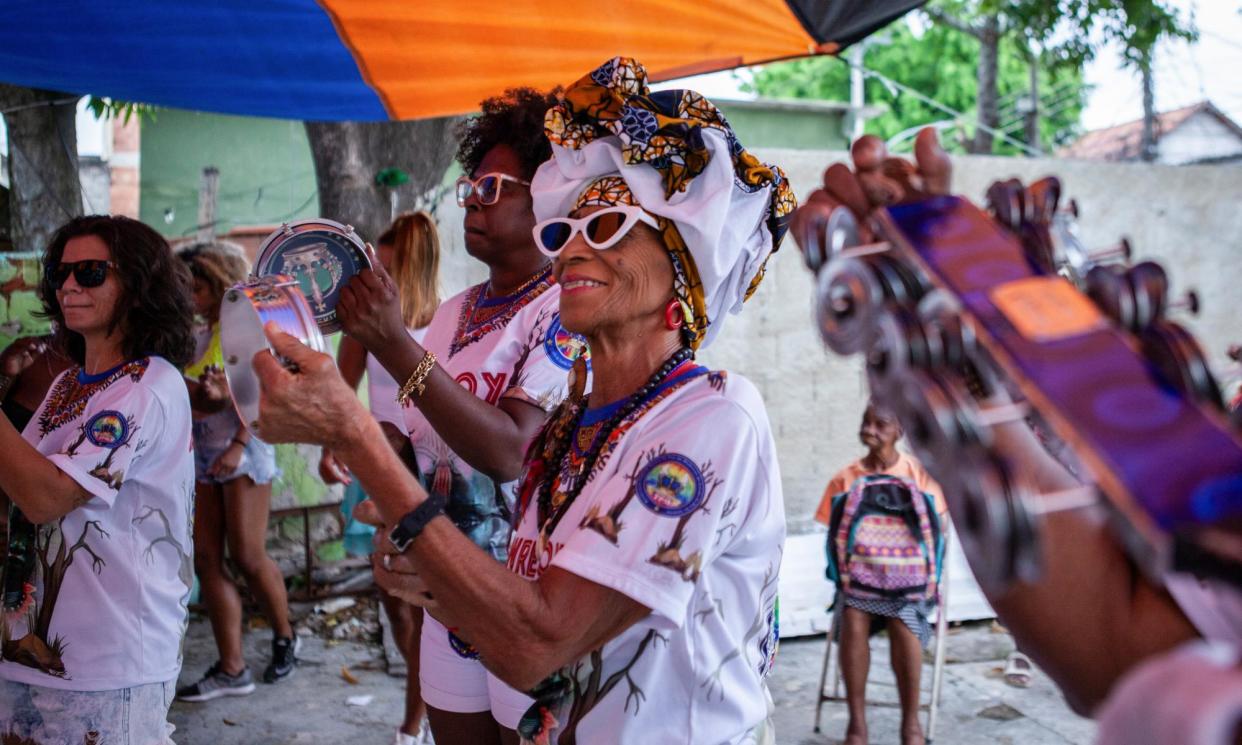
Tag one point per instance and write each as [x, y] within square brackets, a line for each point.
[553, 505]
[480, 314]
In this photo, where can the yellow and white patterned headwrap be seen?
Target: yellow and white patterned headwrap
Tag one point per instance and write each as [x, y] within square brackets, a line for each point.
[722, 212]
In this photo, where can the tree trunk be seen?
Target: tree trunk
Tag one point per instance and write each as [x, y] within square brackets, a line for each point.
[1147, 149]
[989, 56]
[1032, 112]
[43, 164]
[349, 155]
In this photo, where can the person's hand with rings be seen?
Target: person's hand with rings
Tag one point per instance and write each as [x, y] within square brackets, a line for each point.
[394, 572]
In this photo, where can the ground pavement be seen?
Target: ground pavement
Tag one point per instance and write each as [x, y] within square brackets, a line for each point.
[314, 706]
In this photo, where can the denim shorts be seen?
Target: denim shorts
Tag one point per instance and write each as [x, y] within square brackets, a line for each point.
[51, 716]
[258, 461]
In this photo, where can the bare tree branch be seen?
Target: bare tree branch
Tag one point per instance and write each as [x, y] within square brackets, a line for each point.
[953, 22]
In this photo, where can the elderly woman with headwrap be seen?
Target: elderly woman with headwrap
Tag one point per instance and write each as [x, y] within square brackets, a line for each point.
[650, 528]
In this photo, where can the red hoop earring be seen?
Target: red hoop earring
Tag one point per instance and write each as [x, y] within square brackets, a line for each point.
[674, 317]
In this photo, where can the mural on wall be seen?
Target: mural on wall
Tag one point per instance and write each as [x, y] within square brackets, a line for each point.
[19, 297]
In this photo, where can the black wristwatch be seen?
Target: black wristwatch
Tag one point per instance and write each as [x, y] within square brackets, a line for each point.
[408, 528]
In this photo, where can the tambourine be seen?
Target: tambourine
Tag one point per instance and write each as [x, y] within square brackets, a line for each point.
[243, 313]
[321, 255]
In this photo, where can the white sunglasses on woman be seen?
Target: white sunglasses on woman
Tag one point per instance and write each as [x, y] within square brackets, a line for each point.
[600, 229]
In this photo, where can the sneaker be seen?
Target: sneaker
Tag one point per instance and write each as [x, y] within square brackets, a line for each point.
[217, 683]
[284, 657]
[422, 738]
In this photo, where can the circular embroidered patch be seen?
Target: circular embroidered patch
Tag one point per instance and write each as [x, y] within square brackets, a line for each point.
[463, 650]
[563, 347]
[107, 429]
[671, 485]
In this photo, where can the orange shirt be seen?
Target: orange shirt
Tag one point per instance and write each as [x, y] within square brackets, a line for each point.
[907, 466]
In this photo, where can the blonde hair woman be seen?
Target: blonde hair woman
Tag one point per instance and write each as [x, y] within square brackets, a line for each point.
[234, 471]
[410, 252]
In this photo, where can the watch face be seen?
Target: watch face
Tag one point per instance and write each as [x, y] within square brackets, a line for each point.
[322, 256]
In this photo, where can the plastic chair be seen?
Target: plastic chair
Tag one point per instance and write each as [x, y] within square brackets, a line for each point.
[831, 663]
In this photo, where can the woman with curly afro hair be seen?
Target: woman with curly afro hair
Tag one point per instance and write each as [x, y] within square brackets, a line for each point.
[478, 386]
[98, 571]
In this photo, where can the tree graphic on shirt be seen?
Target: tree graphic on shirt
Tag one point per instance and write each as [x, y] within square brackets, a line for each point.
[185, 562]
[588, 686]
[609, 524]
[712, 684]
[103, 471]
[668, 555]
[35, 649]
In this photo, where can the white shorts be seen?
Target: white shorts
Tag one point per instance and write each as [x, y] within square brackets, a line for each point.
[453, 679]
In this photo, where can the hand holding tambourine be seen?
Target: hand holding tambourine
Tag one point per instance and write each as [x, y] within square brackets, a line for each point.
[298, 279]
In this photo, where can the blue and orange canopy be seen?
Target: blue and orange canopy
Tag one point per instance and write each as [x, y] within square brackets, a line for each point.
[368, 60]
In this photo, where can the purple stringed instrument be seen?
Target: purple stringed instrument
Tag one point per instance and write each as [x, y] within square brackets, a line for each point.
[956, 301]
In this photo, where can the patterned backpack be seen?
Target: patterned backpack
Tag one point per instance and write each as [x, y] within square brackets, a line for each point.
[885, 540]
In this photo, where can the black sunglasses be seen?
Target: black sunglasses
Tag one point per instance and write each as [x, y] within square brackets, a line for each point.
[88, 273]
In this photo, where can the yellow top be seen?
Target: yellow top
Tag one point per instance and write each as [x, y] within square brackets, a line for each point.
[213, 356]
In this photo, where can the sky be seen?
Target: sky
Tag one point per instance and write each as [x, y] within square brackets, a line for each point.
[1184, 73]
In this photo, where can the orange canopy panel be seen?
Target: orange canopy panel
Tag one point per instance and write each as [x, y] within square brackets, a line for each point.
[372, 60]
[434, 59]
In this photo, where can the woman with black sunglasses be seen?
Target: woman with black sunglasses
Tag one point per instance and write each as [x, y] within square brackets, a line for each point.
[98, 571]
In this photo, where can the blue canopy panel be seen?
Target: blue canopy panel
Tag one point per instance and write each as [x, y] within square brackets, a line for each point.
[275, 58]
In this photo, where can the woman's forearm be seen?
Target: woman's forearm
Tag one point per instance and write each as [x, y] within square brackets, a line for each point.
[489, 438]
[41, 490]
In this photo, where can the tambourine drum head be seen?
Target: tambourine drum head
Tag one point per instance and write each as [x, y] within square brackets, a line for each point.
[243, 313]
[321, 255]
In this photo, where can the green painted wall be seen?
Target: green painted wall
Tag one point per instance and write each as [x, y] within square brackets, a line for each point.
[266, 172]
[798, 130]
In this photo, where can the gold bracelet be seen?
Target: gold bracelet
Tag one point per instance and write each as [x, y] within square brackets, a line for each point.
[417, 383]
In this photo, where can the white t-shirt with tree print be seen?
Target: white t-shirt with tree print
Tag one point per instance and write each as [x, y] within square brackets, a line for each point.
[106, 607]
[509, 348]
[685, 516]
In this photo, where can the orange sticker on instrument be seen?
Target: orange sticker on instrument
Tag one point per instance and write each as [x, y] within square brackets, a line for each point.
[1047, 308]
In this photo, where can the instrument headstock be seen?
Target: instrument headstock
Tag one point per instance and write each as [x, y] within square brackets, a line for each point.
[955, 308]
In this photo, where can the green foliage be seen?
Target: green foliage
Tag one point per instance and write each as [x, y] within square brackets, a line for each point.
[941, 64]
[125, 110]
[1066, 29]
[1061, 34]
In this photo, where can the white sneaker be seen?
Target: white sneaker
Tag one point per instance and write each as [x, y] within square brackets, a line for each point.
[422, 738]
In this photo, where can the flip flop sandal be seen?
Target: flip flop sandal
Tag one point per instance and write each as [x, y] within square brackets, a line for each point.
[1018, 669]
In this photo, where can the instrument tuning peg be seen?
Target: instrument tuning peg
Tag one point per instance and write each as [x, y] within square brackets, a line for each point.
[1121, 250]
[1188, 303]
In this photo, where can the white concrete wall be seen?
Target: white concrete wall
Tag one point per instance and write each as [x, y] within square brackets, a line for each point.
[1188, 217]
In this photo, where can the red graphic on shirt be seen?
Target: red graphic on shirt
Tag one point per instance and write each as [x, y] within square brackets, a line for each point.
[526, 560]
[495, 383]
